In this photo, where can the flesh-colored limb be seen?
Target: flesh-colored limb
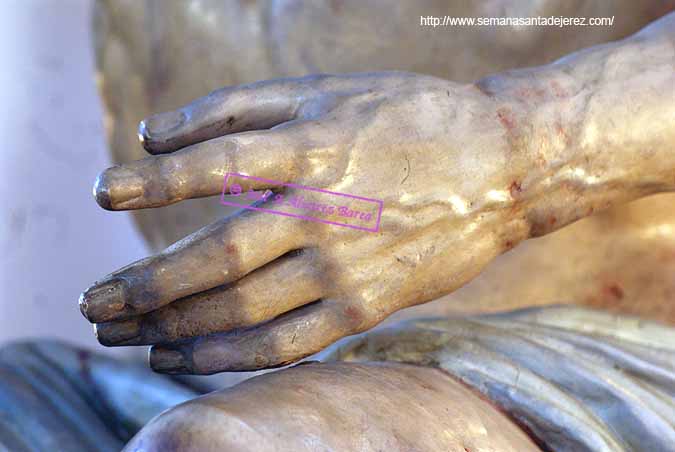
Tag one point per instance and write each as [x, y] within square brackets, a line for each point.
[466, 172]
[338, 406]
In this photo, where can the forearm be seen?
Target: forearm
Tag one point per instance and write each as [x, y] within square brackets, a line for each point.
[593, 129]
[557, 143]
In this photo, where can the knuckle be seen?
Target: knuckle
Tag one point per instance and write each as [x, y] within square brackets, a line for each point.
[356, 317]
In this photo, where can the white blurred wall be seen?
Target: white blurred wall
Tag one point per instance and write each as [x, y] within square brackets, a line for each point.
[54, 239]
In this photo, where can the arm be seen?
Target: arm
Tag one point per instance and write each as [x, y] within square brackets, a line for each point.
[596, 128]
[465, 173]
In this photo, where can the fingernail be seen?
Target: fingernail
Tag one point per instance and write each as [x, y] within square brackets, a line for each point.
[169, 361]
[102, 302]
[117, 185]
[150, 128]
[117, 333]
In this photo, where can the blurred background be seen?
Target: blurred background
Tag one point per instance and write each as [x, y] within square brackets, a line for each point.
[54, 239]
